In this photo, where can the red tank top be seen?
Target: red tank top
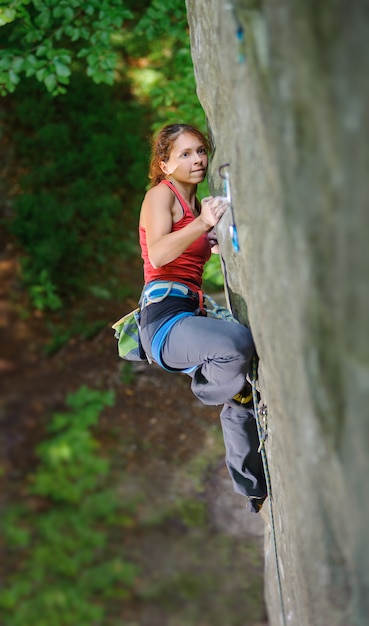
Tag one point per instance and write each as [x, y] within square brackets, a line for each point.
[189, 266]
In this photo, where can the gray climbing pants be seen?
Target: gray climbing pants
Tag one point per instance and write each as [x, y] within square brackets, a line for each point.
[220, 353]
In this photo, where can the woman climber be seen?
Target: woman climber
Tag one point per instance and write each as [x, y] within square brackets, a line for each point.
[176, 237]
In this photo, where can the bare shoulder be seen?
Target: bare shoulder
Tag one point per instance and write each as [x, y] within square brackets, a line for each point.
[159, 193]
[158, 200]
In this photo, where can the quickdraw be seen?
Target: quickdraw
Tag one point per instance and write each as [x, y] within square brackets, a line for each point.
[227, 192]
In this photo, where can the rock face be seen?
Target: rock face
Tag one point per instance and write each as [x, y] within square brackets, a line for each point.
[285, 88]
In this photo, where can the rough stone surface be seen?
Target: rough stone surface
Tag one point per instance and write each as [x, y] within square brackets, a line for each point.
[287, 105]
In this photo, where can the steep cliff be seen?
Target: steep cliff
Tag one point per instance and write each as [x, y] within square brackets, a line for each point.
[285, 88]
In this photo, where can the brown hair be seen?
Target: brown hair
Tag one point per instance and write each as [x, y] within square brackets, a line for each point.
[162, 146]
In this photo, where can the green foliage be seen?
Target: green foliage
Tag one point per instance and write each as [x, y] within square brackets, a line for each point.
[163, 31]
[43, 293]
[81, 156]
[213, 276]
[69, 464]
[49, 38]
[60, 335]
[192, 512]
[66, 570]
[127, 373]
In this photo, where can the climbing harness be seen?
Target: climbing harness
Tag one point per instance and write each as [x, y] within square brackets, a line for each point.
[159, 338]
[158, 290]
[127, 329]
[262, 432]
[224, 174]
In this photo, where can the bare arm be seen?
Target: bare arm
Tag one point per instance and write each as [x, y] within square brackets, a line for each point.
[157, 218]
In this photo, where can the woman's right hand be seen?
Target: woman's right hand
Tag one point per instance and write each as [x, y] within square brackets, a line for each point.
[212, 209]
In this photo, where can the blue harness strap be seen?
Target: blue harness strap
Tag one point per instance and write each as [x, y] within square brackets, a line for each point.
[159, 338]
[158, 290]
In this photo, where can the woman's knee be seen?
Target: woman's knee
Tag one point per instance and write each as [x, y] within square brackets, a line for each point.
[242, 341]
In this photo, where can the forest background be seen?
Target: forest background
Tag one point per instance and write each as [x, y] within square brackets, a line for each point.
[84, 85]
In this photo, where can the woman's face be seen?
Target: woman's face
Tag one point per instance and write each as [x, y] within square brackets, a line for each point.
[188, 161]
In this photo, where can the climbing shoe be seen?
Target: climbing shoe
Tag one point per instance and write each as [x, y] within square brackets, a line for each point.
[244, 397]
[254, 504]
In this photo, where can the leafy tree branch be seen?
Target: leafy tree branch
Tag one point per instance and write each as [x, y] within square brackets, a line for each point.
[45, 39]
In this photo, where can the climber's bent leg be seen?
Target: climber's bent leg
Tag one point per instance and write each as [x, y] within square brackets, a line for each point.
[220, 352]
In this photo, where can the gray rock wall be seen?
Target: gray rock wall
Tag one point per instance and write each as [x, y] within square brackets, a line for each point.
[288, 108]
